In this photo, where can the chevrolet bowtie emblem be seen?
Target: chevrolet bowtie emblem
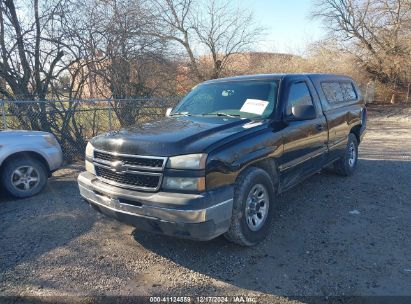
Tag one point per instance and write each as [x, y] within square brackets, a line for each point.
[118, 166]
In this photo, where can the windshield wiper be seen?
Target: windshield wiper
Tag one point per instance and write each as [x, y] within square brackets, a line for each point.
[180, 114]
[222, 114]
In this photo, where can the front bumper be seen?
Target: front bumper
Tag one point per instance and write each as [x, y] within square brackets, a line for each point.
[194, 216]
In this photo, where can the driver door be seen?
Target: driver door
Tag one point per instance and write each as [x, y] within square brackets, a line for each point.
[305, 141]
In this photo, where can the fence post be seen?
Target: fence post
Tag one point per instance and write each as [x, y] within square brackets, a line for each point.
[3, 113]
[109, 115]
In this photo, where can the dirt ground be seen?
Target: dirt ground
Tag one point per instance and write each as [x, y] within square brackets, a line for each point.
[334, 237]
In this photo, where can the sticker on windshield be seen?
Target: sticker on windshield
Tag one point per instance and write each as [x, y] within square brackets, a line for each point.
[254, 106]
[252, 124]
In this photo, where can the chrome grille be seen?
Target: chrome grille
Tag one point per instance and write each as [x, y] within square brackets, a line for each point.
[129, 171]
[143, 162]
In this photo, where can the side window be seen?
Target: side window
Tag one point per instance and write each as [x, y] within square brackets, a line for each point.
[333, 92]
[299, 95]
[348, 91]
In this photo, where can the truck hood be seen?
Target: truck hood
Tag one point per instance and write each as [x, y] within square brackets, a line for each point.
[175, 135]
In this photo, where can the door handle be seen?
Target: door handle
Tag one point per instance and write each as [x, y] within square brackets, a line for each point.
[319, 127]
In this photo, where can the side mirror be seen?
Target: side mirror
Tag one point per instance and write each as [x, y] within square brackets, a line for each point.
[168, 111]
[303, 112]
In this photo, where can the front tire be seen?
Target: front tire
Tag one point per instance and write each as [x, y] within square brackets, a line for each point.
[253, 207]
[346, 165]
[24, 177]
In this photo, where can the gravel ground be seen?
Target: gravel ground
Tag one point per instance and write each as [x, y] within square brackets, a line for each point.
[333, 237]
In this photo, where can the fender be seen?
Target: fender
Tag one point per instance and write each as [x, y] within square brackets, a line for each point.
[223, 166]
[46, 153]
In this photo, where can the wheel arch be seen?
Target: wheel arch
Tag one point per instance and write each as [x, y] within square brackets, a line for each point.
[356, 130]
[269, 165]
[26, 154]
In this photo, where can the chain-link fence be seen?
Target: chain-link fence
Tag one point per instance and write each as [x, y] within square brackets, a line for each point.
[74, 122]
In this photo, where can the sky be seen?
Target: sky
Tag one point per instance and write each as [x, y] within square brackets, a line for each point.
[288, 25]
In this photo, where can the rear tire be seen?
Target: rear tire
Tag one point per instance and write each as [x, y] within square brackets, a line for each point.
[346, 165]
[253, 207]
[24, 177]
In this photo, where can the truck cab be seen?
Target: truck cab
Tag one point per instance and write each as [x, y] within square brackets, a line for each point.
[216, 164]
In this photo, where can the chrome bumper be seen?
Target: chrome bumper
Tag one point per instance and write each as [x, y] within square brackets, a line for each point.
[213, 208]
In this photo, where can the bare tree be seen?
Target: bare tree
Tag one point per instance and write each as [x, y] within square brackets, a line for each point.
[218, 29]
[32, 48]
[377, 32]
[121, 59]
[225, 30]
[38, 47]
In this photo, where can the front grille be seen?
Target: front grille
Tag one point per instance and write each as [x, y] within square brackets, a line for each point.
[156, 163]
[129, 171]
[150, 182]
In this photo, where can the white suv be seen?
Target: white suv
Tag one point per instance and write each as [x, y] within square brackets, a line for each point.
[27, 159]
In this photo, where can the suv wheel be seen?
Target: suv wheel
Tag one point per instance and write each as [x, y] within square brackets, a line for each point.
[24, 177]
[253, 207]
[346, 165]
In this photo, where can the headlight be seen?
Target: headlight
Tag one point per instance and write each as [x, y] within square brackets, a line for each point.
[89, 150]
[90, 167]
[184, 183]
[190, 161]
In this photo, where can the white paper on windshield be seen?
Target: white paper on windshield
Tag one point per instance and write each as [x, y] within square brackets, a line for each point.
[254, 106]
[252, 125]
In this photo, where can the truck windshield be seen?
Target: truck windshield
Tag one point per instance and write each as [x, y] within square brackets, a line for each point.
[243, 99]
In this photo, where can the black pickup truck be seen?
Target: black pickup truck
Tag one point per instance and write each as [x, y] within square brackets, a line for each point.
[216, 164]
